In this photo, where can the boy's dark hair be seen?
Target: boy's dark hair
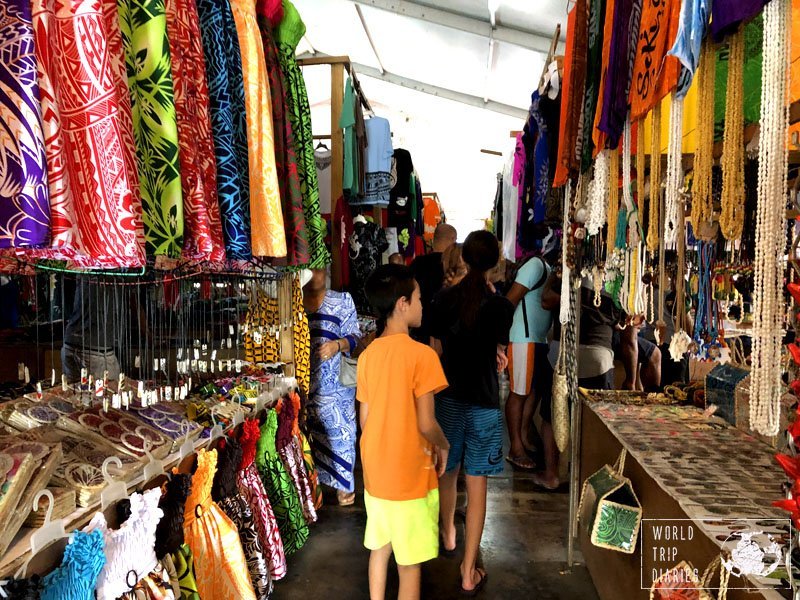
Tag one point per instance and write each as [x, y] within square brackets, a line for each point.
[386, 285]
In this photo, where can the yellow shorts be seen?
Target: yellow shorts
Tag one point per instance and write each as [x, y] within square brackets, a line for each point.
[410, 526]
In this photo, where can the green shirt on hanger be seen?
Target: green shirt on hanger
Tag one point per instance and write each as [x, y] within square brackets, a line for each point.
[348, 123]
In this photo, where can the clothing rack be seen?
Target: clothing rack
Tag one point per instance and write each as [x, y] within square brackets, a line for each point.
[338, 65]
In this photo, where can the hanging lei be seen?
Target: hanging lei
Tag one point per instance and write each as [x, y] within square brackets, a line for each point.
[702, 201]
[680, 343]
[766, 386]
[731, 219]
[615, 234]
[634, 261]
[564, 315]
[706, 333]
[654, 225]
[674, 171]
[598, 190]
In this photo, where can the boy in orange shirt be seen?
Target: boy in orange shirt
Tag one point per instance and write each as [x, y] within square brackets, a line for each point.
[403, 449]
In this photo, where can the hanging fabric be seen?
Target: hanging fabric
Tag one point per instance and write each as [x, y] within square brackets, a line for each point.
[585, 148]
[288, 34]
[203, 239]
[226, 98]
[143, 24]
[598, 135]
[727, 15]
[294, 217]
[96, 220]
[692, 27]
[655, 73]
[268, 237]
[24, 204]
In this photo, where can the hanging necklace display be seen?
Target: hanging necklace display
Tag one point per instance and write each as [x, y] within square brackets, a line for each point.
[635, 252]
[705, 323]
[674, 170]
[681, 342]
[564, 315]
[612, 213]
[653, 226]
[702, 202]
[766, 387]
[731, 219]
[598, 190]
[641, 164]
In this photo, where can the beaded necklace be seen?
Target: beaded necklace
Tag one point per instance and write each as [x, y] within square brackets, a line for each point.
[731, 219]
[674, 170]
[768, 327]
[702, 202]
[598, 190]
[653, 226]
[613, 201]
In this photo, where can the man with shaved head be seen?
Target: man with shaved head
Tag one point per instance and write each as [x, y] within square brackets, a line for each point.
[429, 273]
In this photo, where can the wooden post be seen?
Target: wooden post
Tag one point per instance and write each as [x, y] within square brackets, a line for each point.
[337, 168]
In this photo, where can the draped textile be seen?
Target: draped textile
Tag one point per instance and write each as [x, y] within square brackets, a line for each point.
[294, 217]
[288, 35]
[597, 11]
[268, 237]
[598, 135]
[143, 24]
[203, 238]
[94, 198]
[228, 123]
[727, 15]
[24, 203]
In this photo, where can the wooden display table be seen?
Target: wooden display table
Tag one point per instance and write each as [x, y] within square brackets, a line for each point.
[682, 466]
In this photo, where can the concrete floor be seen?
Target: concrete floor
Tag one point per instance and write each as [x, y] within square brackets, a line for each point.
[523, 551]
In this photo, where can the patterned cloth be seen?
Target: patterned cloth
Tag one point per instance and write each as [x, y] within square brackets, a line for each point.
[84, 119]
[213, 539]
[143, 24]
[262, 314]
[285, 499]
[228, 124]
[225, 493]
[301, 337]
[291, 453]
[288, 35]
[367, 244]
[268, 237]
[75, 579]
[203, 230]
[285, 155]
[331, 412]
[24, 204]
[156, 586]
[252, 490]
[184, 567]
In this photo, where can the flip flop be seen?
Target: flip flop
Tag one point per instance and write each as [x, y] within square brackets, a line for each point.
[444, 551]
[517, 463]
[478, 587]
[539, 482]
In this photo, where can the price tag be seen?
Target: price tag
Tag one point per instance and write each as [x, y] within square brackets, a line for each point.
[231, 330]
[52, 378]
[194, 365]
[39, 390]
[190, 384]
[168, 394]
[183, 392]
[140, 389]
[221, 343]
[155, 364]
[27, 375]
[220, 365]
[213, 355]
[64, 384]
[238, 366]
[211, 365]
[137, 362]
[229, 343]
[257, 338]
[203, 366]
[230, 365]
[99, 388]
[105, 404]
[21, 371]
[116, 401]
[180, 353]
[121, 381]
[196, 354]
[126, 399]
[204, 349]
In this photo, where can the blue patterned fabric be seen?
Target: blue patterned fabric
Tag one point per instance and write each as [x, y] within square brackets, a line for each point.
[541, 160]
[77, 576]
[331, 407]
[228, 125]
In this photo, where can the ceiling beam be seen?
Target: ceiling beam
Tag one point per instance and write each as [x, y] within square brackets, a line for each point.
[433, 90]
[532, 40]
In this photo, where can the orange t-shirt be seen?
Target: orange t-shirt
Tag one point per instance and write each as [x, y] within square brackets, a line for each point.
[392, 373]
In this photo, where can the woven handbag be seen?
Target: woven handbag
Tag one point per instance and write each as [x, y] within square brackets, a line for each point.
[560, 403]
[610, 510]
[682, 583]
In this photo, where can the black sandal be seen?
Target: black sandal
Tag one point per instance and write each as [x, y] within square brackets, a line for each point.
[478, 586]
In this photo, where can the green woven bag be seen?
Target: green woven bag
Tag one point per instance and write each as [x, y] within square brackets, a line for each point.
[610, 510]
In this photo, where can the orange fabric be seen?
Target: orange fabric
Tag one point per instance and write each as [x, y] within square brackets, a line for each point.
[431, 216]
[268, 235]
[654, 73]
[599, 137]
[794, 130]
[392, 373]
[571, 95]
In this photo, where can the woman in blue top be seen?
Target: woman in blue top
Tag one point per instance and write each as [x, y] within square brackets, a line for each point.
[331, 413]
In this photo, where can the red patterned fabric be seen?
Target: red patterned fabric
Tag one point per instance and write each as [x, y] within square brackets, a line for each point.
[252, 489]
[94, 185]
[202, 226]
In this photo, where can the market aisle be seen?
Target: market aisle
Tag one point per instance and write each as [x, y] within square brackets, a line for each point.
[523, 547]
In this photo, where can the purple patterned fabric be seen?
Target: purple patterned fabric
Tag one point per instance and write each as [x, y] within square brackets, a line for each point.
[618, 75]
[24, 201]
[726, 15]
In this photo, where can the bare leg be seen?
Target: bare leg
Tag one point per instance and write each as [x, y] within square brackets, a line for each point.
[514, 410]
[410, 577]
[651, 371]
[629, 349]
[378, 569]
[549, 478]
[476, 517]
[448, 495]
[531, 403]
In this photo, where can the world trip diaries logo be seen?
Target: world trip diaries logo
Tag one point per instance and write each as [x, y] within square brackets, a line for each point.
[752, 550]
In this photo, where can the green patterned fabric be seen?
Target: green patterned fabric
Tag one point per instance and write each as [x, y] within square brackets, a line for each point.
[616, 526]
[184, 568]
[147, 58]
[287, 35]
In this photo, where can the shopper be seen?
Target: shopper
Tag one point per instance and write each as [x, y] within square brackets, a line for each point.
[429, 273]
[455, 269]
[527, 353]
[331, 412]
[403, 449]
[470, 326]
